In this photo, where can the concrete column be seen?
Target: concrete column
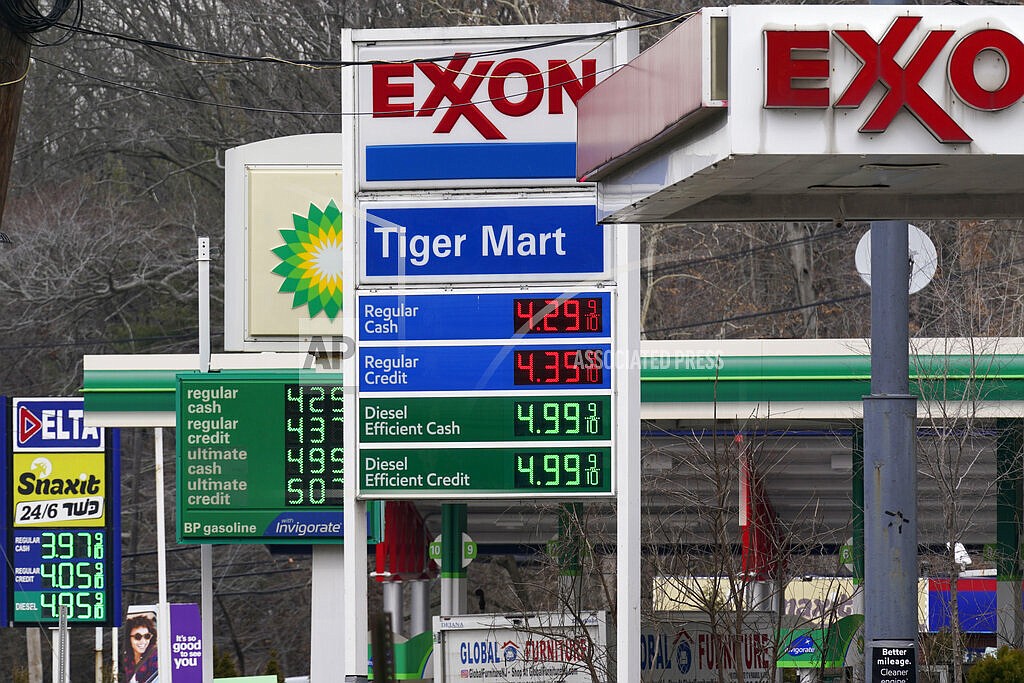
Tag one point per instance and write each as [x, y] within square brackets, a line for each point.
[569, 549]
[328, 625]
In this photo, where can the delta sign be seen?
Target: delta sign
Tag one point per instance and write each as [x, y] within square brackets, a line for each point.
[475, 106]
[53, 425]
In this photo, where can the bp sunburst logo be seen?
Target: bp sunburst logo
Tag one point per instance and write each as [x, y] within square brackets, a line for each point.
[311, 262]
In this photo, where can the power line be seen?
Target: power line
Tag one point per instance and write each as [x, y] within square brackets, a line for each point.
[642, 11]
[190, 100]
[678, 266]
[24, 19]
[323, 63]
[264, 110]
[189, 334]
[759, 314]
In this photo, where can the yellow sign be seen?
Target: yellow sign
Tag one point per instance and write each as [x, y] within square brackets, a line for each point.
[276, 197]
[59, 489]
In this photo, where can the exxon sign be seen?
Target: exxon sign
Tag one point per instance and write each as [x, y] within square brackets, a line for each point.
[933, 70]
[474, 107]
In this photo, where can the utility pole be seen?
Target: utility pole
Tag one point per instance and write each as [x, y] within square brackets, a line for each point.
[14, 53]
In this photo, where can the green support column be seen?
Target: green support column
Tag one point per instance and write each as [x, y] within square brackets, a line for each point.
[453, 574]
[1009, 469]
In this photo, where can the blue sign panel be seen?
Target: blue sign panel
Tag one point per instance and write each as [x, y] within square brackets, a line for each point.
[484, 368]
[489, 241]
[523, 315]
[495, 160]
[63, 540]
[54, 425]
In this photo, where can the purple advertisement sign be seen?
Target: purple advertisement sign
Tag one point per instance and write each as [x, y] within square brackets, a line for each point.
[186, 644]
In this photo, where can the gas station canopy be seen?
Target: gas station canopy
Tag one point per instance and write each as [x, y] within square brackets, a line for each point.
[814, 113]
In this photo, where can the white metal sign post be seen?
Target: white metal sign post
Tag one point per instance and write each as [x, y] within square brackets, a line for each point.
[493, 319]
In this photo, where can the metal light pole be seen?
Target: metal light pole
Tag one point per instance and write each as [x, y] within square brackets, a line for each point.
[890, 469]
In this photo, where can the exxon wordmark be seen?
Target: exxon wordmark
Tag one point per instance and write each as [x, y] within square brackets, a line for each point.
[795, 78]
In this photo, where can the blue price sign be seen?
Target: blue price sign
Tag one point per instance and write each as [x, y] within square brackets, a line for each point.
[61, 509]
[483, 244]
[533, 315]
[485, 368]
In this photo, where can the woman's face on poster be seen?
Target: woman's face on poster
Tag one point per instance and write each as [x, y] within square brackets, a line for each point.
[140, 637]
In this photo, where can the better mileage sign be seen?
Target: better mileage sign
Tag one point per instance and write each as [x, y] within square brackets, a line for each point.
[517, 404]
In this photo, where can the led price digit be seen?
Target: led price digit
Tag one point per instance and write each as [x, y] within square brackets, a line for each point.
[557, 366]
[558, 417]
[85, 606]
[557, 316]
[314, 433]
[557, 469]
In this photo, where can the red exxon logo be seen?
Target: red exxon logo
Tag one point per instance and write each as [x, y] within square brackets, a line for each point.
[464, 90]
[788, 78]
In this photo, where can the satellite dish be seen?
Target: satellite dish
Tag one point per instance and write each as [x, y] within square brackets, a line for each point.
[923, 258]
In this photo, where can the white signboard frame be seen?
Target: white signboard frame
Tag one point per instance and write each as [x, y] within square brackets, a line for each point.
[267, 183]
[472, 106]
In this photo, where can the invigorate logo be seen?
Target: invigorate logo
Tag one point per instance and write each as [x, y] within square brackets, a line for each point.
[311, 261]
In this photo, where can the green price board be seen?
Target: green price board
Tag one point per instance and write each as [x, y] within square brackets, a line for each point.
[260, 458]
[527, 472]
[490, 418]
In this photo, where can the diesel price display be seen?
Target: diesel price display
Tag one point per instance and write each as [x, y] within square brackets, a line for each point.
[460, 419]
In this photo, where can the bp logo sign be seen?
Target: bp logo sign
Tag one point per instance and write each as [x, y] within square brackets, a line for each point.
[311, 261]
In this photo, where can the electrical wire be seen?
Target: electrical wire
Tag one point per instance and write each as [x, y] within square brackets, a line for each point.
[759, 314]
[24, 19]
[679, 266]
[188, 334]
[321, 63]
[642, 11]
[265, 110]
[190, 100]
